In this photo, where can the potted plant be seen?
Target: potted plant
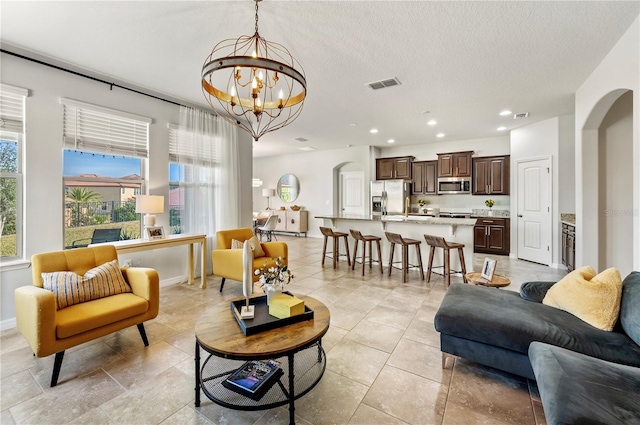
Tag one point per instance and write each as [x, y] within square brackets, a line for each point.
[490, 203]
[272, 279]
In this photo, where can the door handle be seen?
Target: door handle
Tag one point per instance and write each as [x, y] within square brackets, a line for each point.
[520, 215]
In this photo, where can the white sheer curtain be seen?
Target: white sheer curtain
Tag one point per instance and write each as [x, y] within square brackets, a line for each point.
[207, 151]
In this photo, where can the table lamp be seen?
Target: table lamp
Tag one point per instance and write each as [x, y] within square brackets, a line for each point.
[149, 205]
[268, 193]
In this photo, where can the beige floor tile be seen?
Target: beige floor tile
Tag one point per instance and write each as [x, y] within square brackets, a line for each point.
[18, 388]
[345, 318]
[279, 416]
[424, 332]
[15, 361]
[406, 396]
[332, 401]
[187, 416]
[222, 415]
[329, 294]
[485, 392]
[375, 335]
[420, 359]
[366, 415]
[11, 340]
[390, 316]
[6, 418]
[356, 361]
[332, 337]
[68, 400]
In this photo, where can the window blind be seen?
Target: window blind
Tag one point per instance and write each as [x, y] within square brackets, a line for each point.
[12, 108]
[209, 151]
[102, 130]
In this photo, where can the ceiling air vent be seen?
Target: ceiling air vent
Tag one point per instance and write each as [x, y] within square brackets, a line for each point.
[376, 85]
[520, 115]
[301, 139]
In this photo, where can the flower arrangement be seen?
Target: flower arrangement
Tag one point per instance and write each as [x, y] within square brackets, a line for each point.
[489, 202]
[278, 275]
[422, 202]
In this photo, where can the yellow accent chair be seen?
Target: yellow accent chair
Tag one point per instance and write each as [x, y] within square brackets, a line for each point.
[227, 262]
[49, 330]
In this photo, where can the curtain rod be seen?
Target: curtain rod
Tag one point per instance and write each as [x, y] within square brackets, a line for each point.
[110, 84]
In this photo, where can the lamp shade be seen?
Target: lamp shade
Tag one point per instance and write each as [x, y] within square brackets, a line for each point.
[268, 192]
[149, 204]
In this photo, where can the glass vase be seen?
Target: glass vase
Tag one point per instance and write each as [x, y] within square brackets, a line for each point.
[272, 290]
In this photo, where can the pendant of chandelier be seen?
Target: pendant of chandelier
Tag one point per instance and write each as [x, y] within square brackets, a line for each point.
[253, 83]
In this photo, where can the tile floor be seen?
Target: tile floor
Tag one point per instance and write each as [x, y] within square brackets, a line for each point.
[383, 360]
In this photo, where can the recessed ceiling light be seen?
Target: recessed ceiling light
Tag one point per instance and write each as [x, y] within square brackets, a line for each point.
[426, 112]
[373, 131]
[502, 128]
[307, 149]
[505, 113]
[440, 135]
[353, 124]
[391, 141]
[432, 122]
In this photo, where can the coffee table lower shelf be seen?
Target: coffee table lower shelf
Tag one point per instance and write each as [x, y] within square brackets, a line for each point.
[302, 371]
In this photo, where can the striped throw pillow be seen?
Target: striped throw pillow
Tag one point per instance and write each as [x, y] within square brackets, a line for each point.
[71, 288]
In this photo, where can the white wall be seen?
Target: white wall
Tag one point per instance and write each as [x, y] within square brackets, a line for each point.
[618, 73]
[43, 166]
[540, 140]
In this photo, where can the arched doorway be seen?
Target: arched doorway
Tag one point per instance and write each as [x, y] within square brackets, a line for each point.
[608, 184]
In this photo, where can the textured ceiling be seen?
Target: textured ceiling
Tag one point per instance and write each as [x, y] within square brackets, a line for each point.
[462, 61]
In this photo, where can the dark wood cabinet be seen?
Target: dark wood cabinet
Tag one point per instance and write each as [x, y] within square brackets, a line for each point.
[491, 236]
[425, 175]
[394, 168]
[491, 175]
[455, 164]
[569, 246]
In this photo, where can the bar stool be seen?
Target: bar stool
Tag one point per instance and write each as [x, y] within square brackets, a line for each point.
[439, 242]
[394, 239]
[365, 239]
[328, 232]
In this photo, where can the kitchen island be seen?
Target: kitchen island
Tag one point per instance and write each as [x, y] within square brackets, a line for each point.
[458, 230]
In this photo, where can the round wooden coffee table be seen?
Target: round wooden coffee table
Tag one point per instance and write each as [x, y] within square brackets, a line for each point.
[297, 346]
[497, 281]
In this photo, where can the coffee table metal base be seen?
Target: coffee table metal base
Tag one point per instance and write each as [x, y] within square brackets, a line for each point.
[302, 369]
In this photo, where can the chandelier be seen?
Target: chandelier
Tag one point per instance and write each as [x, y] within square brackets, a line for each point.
[253, 83]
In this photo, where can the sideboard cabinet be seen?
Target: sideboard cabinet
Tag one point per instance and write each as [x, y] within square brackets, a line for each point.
[292, 221]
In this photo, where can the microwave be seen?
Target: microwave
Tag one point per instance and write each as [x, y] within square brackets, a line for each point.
[454, 185]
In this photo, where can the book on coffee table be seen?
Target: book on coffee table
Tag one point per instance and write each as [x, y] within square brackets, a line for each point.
[254, 378]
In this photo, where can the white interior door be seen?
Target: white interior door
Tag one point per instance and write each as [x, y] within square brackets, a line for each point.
[352, 192]
[534, 211]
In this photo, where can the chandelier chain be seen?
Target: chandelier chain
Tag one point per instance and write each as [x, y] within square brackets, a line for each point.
[256, 16]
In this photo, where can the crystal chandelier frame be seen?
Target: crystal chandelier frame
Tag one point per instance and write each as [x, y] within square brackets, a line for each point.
[253, 83]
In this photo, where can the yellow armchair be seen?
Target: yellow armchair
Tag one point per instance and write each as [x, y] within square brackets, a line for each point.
[227, 262]
[51, 331]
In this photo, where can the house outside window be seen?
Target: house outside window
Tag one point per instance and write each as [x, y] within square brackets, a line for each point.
[104, 158]
[12, 118]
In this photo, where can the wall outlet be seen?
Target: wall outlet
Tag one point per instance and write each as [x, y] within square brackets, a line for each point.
[127, 263]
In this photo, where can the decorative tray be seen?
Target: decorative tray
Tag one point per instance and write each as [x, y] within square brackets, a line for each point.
[262, 321]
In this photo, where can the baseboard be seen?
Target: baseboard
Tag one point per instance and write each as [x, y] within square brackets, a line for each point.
[174, 280]
[8, 324]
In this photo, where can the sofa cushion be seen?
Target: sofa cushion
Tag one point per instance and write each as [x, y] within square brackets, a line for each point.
[630, 306]
[593, 298]
[578, 389]
[535, 291]
[98, 282]
[90, 315]
[501, 318]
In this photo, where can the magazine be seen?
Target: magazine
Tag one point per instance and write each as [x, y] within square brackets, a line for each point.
[254, 378]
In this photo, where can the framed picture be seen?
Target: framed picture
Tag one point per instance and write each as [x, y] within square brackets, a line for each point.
[488, 268]
[155, 232]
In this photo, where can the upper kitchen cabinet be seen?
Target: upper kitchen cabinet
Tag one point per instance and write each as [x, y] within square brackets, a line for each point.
[425, 174]
[491, 175]
[394, 168]
[455, 164]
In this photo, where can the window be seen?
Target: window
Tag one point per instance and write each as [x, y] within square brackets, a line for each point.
[183, 163]
[12, 116]
[104, 157]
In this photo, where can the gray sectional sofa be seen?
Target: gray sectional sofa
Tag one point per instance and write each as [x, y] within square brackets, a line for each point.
[497, 327]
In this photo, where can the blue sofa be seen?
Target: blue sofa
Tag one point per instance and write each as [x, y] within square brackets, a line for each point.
[497, 327]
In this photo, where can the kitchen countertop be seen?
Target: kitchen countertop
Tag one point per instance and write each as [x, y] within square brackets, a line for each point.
[412, 218]
[568, 218]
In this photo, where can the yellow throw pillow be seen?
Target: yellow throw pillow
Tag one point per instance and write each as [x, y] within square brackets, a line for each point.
[256, 247]
[99, 282]
[594, 299]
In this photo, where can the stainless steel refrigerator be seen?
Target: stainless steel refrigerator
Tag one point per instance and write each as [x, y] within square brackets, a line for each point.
[389, 197]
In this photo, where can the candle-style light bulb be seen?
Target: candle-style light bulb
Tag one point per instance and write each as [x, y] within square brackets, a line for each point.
[233, 91]
[281, 97]
[254, 54]
[254, 83]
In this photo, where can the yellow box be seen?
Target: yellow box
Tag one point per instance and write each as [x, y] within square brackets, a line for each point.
[283, 305]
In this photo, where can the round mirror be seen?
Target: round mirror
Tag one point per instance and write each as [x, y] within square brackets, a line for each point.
[288, 188]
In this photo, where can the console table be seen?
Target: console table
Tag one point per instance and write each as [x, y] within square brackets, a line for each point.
[297, 346]
[137, 245]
